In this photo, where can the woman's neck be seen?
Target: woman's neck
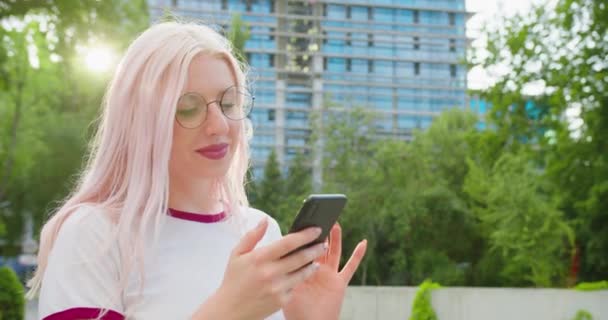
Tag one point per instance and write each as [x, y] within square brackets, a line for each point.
[196, 196]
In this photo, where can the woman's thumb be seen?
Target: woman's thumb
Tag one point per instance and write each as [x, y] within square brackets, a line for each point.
[251, 238]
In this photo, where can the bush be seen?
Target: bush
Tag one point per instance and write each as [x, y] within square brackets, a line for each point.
[12, 299]
[583, 315]
[422, 309]
[592, 286]
[436, 265]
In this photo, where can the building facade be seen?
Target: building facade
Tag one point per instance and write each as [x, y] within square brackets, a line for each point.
[399, 58]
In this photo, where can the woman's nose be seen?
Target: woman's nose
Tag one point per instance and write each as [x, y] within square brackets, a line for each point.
[216, 123]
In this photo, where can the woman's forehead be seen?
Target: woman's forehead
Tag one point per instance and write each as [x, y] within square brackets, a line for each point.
[209, 75]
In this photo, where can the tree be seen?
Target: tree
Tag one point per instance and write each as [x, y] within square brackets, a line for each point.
[49, 99]
[521, 221]
[405, 198]
[271, 189]
[298, 185]
[238, 34]
[562, 50]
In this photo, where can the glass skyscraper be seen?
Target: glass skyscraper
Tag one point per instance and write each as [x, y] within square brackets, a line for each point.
[399, 58]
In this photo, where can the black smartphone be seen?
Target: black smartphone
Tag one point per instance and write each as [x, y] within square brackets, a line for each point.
[318, 210]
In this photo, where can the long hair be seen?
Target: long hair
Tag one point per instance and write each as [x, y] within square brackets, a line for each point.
[127, 172]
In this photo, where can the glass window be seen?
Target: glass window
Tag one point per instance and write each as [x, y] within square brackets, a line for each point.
[336, 64]
[405, 16]
[405, 103]
[406, 122]
[297, 118]
[384, 67]
[404, 69]
[382, 102]
[433, 17]
[384, 14]
[260, 5]
[296, 142]
[359, 13]
[336, 11]
[425, 122]
[299, 99]
[359, 66]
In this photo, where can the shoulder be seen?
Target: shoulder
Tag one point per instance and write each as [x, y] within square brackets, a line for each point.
[84, 222]
[85, 229]
[82, 270]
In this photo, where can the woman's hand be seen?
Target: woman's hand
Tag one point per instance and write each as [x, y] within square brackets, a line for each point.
[257, 283]
[320, 297]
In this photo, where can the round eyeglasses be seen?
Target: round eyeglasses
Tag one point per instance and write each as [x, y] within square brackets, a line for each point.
[235, 102]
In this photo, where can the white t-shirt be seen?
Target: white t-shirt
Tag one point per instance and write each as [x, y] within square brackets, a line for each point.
[186, 267]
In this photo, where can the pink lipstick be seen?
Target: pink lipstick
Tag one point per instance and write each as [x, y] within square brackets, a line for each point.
[214, 151]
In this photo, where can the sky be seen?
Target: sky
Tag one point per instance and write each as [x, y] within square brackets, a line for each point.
[484, 11]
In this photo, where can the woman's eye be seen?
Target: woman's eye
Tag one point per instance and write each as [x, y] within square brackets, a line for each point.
[228, 105]
[186, 113]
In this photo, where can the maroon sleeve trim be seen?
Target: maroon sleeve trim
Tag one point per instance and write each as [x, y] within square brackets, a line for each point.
[84, 313]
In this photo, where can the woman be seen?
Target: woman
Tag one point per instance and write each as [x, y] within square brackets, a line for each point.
[159, 225]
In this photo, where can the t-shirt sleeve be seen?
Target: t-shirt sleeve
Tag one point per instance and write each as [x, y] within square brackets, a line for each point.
[274, 231]
[81, 279]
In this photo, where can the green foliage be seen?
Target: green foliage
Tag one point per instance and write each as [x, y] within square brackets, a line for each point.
[238, 34]
[592, 286]
[583, 315]
[427, 209]
[12, 301]
[422, 309]
[442, 269]
[49, 99]
[522, 222]
[298, 185]
[563, 50]
[270, 190]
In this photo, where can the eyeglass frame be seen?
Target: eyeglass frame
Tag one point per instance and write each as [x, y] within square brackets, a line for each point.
[241, 90]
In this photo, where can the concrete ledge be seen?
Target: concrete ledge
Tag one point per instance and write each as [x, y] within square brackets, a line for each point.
[394, 303]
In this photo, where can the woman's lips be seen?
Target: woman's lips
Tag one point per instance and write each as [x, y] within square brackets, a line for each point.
[214, 152]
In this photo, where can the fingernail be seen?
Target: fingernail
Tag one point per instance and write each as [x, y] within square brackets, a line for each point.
[315, 265]
[324, 245]
[317, 232]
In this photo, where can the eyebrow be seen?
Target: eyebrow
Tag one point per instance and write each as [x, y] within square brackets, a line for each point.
[218, 92]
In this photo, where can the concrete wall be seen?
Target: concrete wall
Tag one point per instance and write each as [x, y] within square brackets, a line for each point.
[394, 303]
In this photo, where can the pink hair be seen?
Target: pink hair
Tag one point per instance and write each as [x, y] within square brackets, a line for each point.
[127, 173]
